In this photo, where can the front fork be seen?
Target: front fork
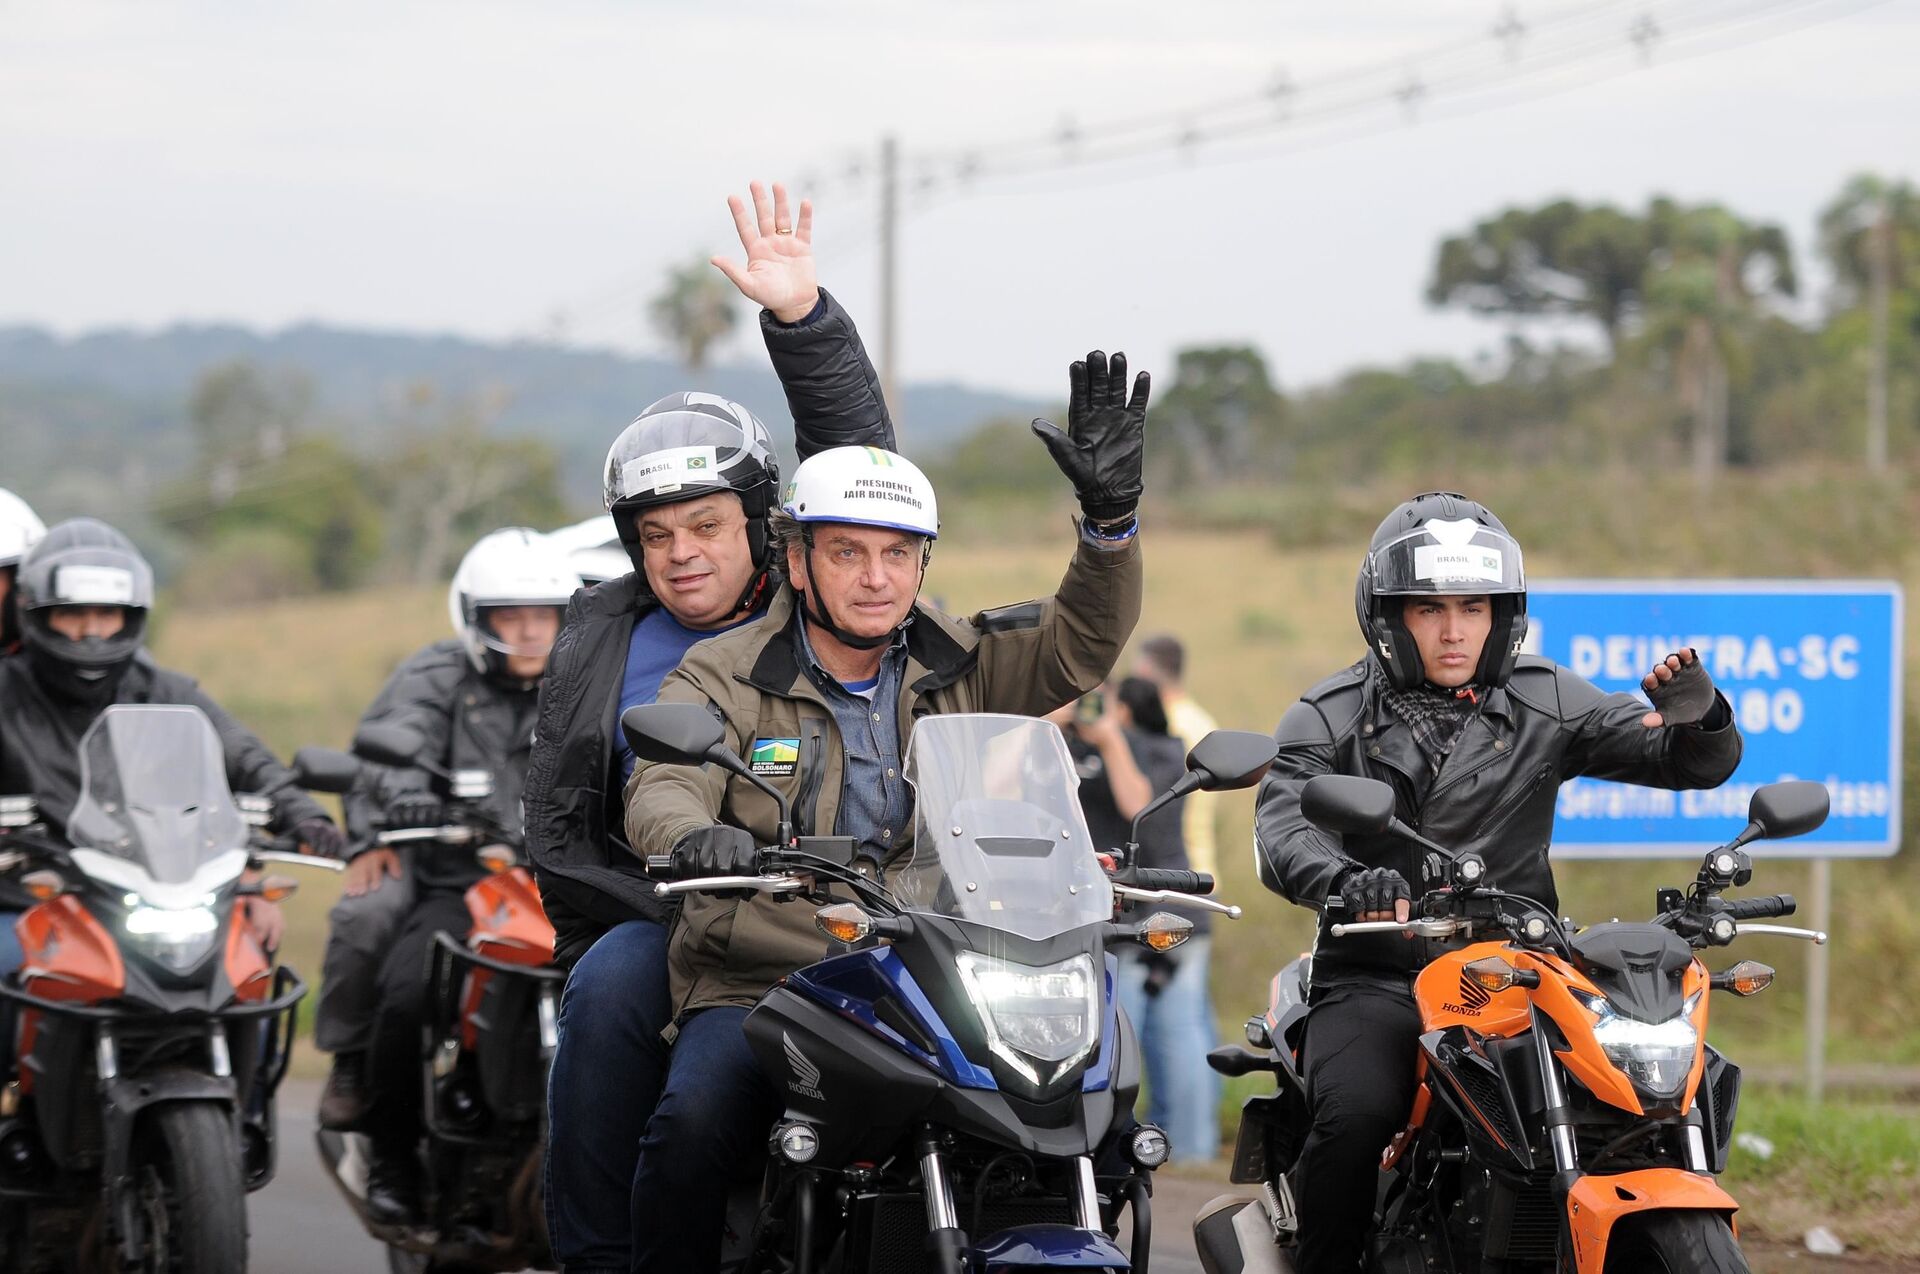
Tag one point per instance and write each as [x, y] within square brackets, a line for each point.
[947, 1242]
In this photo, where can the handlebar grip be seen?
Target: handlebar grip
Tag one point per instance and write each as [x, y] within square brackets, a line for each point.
[1761, 908]
[1179, 882]
[660, 867]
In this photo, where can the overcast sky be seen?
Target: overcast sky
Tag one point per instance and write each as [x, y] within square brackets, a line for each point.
[475, 167]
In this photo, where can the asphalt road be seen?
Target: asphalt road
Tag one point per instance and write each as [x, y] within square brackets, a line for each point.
[301, 1225]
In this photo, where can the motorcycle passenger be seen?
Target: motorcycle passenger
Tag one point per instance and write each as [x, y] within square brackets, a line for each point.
[473, 700]
[689, 484]
[846, 658]
[20, 530]
[83, 594]
[1475, 739]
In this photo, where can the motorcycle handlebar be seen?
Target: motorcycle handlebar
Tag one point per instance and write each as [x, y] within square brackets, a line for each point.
[660, 867]
[1761, 908]
[1179, 882]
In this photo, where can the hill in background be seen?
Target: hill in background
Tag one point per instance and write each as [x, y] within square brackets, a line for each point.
[114, 398]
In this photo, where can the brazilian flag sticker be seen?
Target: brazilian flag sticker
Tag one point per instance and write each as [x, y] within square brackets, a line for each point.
[776, 758]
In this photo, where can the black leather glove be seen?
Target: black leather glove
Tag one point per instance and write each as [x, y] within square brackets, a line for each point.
[715, 851]
[1372, 889]
[1105, 447]
[321, 837]
[416, 809]
[1686, 697]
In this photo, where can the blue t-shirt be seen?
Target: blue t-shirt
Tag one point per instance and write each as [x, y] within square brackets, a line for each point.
[659, 641]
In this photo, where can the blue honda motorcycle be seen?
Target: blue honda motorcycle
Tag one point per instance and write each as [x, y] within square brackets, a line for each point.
[959, 1084]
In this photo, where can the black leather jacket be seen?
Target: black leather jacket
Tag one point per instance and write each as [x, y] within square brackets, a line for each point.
[1494, 795]
[40, 735]
[470, 722]
[575, 820]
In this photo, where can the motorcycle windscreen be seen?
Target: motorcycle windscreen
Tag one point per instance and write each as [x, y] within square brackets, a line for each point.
[153, 791]
[998, 834]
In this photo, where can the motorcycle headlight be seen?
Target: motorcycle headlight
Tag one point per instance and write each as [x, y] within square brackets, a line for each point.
[1657, 1056]
[1040, 1021]
[179, 937]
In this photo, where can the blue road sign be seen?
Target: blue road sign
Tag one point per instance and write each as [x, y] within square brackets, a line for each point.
[1812, 669]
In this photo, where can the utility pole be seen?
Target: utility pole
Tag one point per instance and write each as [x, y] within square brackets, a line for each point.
[889, 276]
[1879, 272]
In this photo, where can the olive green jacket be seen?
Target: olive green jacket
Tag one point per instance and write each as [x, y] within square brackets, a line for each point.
[1028, 658]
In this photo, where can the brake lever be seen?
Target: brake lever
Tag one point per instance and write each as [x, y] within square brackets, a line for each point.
[1422, 928]
[782, 884]
[1815, 936]
[1168, 895]
[297, 860]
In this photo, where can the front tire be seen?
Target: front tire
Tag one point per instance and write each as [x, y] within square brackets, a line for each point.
[192, 1206]
[1674, 1242]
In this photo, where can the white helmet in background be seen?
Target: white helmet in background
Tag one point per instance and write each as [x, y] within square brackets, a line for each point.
[860, 486]
[864, 486]
[594, 549]
[20, 528]
[510, 567]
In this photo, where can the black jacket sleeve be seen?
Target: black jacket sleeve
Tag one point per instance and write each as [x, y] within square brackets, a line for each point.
[420, 696]
[832, 390]
[1294, 858]
[1610, 743]
[252, 766]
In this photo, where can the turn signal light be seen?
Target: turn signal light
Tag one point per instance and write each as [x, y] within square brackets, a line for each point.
[1163, 931]
[843, 922]
[496, 859]
[276, 888]
[1749, 977]
[1491, 973]
[43, 885]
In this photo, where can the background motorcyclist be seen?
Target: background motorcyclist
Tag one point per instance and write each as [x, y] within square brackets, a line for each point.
[1475, 739]
[20, 530]
[701, 563]
[83, 594]
[846, 658]
[472, 700]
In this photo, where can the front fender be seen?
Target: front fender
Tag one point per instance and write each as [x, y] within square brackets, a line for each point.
[1595, 1204]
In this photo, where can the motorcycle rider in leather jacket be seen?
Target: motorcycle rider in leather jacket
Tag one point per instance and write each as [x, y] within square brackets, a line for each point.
[1475, 738]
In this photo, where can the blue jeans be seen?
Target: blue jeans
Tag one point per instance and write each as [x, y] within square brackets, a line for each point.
[11, 955]
[606, 1079]
[1176, 1030]
[709, 1130]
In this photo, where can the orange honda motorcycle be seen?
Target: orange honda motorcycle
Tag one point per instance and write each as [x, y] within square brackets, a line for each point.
[493, 1026]
[147, 1030]
[1570, 1115]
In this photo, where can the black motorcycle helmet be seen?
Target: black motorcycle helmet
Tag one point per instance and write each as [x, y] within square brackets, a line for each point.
[83, 562]
[1440, 543]
[688, 445]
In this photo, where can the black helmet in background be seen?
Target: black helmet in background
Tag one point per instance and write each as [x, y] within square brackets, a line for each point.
[82, 562]
[1437, 544]
[689, 445]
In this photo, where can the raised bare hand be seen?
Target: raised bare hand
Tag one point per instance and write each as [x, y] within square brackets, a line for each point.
[779, 273]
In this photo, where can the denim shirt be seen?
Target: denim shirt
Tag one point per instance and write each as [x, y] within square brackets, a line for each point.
[876, 805]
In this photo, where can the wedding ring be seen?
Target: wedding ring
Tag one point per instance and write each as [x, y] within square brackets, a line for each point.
[783, 229]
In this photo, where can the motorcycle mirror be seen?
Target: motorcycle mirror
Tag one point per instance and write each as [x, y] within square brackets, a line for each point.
[677, 734]
[688, 734]
[1780, 810]
[1229, 759]
[393, 745]
[1346, 804]
[324, 770]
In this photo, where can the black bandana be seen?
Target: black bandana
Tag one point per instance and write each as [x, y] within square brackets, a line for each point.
[1436, 716]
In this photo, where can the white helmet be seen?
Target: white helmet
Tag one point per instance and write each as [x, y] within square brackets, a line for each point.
[865, 486]
[509, 567]
[594, 549]
[20, 528]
